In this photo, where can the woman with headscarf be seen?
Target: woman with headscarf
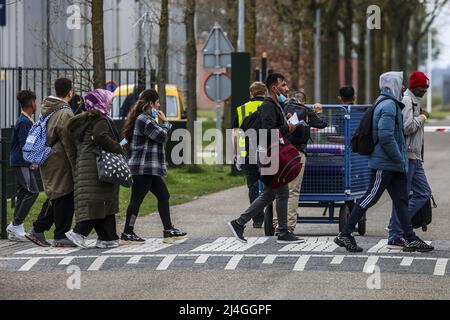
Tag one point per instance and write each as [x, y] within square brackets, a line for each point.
[96, 202]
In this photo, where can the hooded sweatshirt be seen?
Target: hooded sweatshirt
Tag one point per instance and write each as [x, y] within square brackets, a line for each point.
[388, 134]
[56, 171]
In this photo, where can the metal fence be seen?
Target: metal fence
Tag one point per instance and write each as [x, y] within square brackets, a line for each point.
[40, 80]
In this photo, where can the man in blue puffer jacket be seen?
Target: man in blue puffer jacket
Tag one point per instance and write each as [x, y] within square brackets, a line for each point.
[389, 165]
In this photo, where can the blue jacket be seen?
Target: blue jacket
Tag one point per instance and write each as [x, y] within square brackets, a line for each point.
[390, 150]
[19, 136]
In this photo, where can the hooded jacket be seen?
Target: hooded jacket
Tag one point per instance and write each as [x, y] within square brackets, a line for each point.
[93, 199]
[414, 125]
[56, 171]
[388, 133]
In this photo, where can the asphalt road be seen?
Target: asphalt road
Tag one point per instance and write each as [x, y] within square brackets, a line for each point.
[211, 265]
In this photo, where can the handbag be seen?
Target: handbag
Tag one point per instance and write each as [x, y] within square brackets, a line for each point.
[113, 167]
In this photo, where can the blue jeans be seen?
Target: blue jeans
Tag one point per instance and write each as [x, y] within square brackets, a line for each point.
[381, 180]
[419, 191]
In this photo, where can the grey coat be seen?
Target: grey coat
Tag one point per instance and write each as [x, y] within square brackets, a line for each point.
[414, 125]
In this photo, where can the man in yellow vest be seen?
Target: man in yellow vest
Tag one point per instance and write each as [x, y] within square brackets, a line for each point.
[257, 92]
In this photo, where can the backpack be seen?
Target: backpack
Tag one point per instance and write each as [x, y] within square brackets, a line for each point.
[362, 140]
[35, 149]
[424, 216]
[289, 160]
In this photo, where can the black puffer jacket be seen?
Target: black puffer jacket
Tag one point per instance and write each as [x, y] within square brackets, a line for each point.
[93, 199]
[299, 138]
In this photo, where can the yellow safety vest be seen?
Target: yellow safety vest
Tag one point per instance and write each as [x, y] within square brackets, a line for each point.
[243, 112]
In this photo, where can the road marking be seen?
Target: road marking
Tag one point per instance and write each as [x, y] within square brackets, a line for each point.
[29, 264]
[98, 263]
[48, 251]
[66, 261]
[234, 261]
[224, 244]
[301, 263]
[337, 260]
[407, 261]
[165, 263]
[269, 259]
[150, 245]
[441, 265]
[135, 259]
[378, 246]
[369, 266]
[202, 258]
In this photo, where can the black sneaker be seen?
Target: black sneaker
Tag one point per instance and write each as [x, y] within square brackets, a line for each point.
[289, 237]
[173, 235]
[349, 243]
[37, 238]
[417, 245]
[238, 230]
[131, 238]
[398, 242]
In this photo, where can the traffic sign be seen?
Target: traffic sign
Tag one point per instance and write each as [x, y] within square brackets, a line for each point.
[111, 86]
[217, 49]
[218, 86]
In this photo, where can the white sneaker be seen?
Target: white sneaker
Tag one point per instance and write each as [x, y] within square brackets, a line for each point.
[16, 233]
[107, 244]
[77, 239]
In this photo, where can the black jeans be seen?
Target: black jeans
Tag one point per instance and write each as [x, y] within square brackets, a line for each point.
[27, 193]
[142, 184]
[60, 212]
[105, 228]
[396, 184]
[252, 174]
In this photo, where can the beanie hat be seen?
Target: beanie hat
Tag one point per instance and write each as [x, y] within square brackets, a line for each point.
[418, 79]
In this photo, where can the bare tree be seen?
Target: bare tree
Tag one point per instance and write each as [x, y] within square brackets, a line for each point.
[191, 70]
[98, 44]
[162, 53]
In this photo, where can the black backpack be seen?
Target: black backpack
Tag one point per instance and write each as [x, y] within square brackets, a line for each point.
[362, 140]
[424, 216]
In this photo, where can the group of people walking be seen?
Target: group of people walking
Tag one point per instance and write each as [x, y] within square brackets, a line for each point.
[396, 162]
[73, 188]
[70, 175]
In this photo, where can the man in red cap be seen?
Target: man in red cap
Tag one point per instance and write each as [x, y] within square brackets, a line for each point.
[414, 118]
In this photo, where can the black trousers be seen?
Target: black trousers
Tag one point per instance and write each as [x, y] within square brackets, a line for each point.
[142, 184]
[59, 212]
[27, 193]
[105, 228]
[252, 175]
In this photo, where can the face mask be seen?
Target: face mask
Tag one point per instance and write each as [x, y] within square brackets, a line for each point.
[154, 113]
[281, 97]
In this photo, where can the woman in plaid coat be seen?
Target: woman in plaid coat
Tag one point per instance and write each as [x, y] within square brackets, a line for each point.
[147, 131]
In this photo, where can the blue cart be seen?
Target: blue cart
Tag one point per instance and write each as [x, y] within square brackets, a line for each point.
[335, 177]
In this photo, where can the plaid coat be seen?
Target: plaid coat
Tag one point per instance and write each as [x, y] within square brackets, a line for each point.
[146, 155]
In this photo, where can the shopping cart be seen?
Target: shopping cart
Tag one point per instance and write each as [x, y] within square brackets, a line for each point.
[335, 177]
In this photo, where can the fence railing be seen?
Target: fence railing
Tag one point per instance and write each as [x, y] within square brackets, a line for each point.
[41, 80]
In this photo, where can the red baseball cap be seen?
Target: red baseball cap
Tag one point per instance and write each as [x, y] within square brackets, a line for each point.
[418, 79]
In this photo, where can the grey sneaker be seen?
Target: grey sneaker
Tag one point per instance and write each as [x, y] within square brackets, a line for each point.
[77, 239]
[288, 237]
[107, 244]
[37, 238]
[63, 243]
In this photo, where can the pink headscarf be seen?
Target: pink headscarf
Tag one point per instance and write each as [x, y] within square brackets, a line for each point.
[99, 100]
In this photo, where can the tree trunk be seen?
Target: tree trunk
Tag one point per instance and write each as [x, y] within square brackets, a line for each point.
[308, 47]
[250, 27]
[191, 72]
[377, 61]
[361, 89]
[162, 53]
[98, 44]
[232, 22]
[348, 41]
[295, 57]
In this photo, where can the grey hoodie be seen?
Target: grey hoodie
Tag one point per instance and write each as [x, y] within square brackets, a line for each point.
[414, 124]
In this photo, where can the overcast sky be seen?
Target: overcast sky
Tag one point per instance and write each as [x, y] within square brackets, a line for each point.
[443, 25]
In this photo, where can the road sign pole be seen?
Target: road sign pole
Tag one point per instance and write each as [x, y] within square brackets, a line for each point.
[218, 118]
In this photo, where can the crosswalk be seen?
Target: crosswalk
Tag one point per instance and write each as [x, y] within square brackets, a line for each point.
[228, 254]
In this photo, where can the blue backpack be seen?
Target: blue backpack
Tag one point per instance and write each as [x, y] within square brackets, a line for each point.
[35, 149]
